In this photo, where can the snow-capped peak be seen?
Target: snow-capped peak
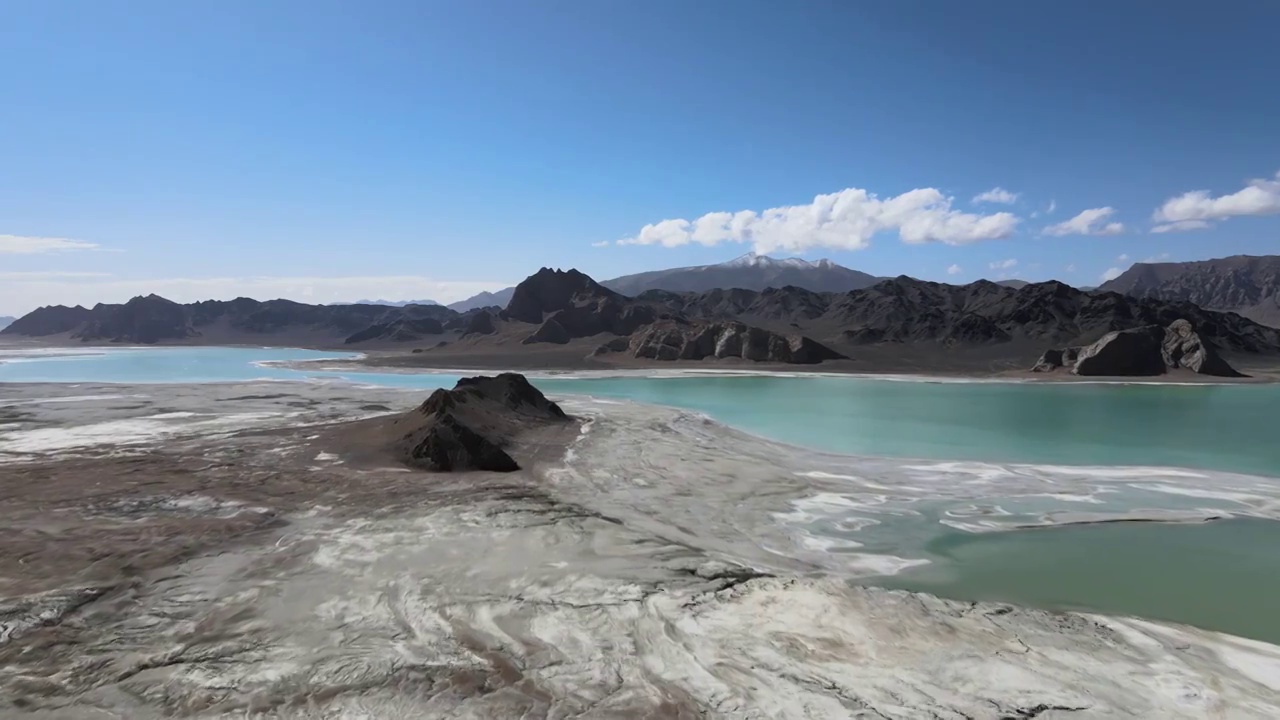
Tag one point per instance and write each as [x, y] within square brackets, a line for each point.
[752, 259]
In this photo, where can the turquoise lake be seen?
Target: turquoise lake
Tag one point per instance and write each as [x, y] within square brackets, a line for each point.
[1213, 427]
[1220, 575]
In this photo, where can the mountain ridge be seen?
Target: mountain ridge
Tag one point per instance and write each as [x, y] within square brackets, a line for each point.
[1244, 284]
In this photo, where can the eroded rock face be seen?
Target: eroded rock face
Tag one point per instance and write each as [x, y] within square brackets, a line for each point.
[672, 340]
[1182, 347]
[1146, 350]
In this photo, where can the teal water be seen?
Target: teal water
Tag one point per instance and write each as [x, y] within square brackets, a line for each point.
[1222, 575]
[1214, 427]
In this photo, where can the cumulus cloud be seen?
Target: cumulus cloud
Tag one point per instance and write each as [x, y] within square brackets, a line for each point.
[955, 270]
[997, 195]
[1004, 264]
[1258, 197]
[1123, 257]
[23, 294]
[1089, 222]
[31, 245]
[1111, 274]
[845, 220]
[1181, 226]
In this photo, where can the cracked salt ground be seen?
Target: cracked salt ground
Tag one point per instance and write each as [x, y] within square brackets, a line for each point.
[619, 590]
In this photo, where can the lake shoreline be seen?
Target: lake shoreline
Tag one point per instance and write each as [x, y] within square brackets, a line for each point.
[931, 366]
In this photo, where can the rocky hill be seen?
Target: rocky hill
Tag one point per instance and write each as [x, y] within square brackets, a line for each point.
[475, 426]
[1246, 284]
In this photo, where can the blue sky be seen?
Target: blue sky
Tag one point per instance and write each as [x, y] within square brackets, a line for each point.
[330, 150]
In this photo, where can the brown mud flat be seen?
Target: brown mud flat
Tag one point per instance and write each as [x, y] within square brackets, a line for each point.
[209, 551]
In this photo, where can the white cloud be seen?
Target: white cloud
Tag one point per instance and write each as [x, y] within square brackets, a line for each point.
[997, 195]
[602, 243]
[1004, 264]
[844, 220]
[1089, 222]
[1123, 257]
[30, 245]
[1053, 205]
[1070, 268]
[1258, 197]
[955, 270]
[1157, 258]
[1181, 226]
[1111, 274]
[49, 275]
[22, 295]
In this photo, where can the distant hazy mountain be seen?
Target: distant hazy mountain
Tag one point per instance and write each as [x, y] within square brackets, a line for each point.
[1015, 284]
[750, 272]
[1245, 284]
[5, 321]
[484, 299]
[388, 303]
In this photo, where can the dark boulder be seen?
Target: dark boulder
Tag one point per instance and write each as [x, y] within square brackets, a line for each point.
[1124, 352]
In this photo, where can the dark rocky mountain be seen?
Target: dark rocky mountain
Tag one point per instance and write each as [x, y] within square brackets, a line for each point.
[6, 321]
[982, 324]
[1246, 284]
[905, 310]
[474, 426]
[153, 319]
[1145, 350]
[548, 291]
[498, 298]
[50, 320]
[751, 272]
